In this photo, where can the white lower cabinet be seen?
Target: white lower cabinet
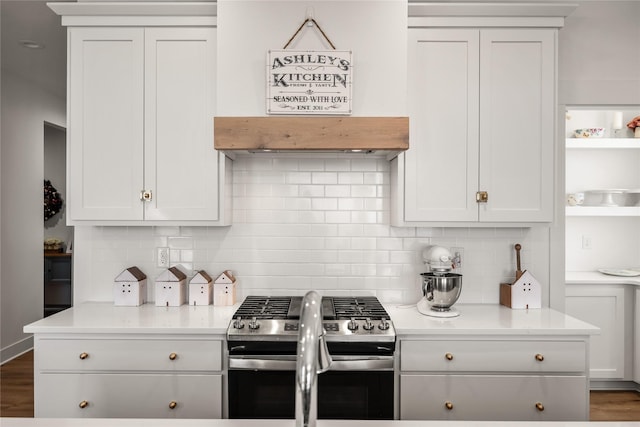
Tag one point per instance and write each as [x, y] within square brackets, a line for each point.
[494, 380]
[606, 307]
[125, 395]
[636, 340]
[491, 397]
[128, 377]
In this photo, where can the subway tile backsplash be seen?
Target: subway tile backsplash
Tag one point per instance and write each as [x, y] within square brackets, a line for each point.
[300, 224]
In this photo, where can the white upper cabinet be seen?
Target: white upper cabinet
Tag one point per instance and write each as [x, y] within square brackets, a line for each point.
[441, 166]
[482, 120]
[105, 123]
[180, 161]
[141, 108]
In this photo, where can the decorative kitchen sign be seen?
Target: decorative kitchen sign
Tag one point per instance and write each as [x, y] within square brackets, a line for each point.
[309, 82]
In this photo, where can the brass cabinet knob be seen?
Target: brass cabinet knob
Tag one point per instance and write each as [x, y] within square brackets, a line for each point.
[448, 405]
[448, 356]
[173, 356]
[83, 355]
[539, 406]
[539, 357]
[173, 404]
[83, 404]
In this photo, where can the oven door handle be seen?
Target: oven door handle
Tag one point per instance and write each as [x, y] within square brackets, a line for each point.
[288, 363]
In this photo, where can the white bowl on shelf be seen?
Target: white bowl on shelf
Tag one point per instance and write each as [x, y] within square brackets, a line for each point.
[589, 133]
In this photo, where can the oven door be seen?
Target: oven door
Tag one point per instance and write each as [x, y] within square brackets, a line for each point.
[353, 388]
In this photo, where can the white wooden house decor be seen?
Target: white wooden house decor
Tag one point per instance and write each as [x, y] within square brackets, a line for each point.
[130, 288]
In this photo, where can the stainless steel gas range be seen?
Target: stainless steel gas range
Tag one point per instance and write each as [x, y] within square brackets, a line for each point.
[262, 340]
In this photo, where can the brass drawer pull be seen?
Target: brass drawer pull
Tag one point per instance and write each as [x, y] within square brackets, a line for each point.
[448, 356]
[173, 356]
[83, 355]
[83, 404]
[539, 357]
[173, 404]
[539, 406]
[448, 405]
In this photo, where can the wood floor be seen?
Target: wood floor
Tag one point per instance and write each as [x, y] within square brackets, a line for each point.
[16, 395]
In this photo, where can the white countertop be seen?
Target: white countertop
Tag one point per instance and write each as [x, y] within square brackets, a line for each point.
[597, 278]
[104, 317]
[493, 319]
[97, 422]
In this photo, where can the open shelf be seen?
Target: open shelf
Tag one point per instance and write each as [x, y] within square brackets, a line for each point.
[602, 211]
[608, 143]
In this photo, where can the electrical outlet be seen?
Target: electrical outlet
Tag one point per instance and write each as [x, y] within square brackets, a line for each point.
[586, 242]
[163, 257]
[458, 255]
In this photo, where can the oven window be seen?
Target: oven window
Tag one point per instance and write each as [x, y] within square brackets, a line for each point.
[341, 395]
[261, 394]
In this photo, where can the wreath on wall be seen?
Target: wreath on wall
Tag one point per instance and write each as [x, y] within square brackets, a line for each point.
[52, 200]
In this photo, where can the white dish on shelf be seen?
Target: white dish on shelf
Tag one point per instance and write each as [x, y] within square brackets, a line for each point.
[607, 196]
[623, 272]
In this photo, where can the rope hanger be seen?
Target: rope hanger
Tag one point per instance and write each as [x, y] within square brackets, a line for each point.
[311, 22]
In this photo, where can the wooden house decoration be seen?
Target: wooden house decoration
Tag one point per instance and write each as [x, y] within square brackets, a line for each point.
[524, 293]
[171, 288]
[201, 289]
[130, 288]
[224, 289]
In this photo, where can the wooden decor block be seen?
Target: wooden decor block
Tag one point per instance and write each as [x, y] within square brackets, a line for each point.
[524, 293]
[311, 133]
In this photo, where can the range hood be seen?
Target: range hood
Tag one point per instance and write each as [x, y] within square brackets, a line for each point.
[372, 135]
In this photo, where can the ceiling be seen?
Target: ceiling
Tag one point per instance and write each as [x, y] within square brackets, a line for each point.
[33, 20]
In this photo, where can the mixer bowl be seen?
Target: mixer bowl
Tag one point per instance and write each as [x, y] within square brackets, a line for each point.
[441, 290]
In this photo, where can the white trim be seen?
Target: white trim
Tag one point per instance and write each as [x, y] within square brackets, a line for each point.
[484, 21]
[530, 9]
[16, 349]
[123, 8]
[140, 21]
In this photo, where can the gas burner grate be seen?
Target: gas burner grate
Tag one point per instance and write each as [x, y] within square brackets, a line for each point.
[359, 308]
[262, 307]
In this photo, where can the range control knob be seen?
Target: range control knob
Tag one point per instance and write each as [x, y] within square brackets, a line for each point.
[352, 325]
[238, 324]
[384, 324]
[253, 323]
[368, 324]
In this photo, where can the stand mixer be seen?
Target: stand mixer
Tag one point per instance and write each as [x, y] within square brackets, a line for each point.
[440, 287]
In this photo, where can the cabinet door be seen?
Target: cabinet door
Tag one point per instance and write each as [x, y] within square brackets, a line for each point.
[128, 396]
[517, 74]
[493, 398]
[441, 165]
[181, 165]
[105, 135]
[636, 340]
[604, 308]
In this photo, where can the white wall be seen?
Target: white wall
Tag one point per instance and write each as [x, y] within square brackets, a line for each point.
[599, 65]
[599, 54]
[25, 108]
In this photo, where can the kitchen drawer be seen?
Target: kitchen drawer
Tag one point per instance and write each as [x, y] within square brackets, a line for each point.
[493, 356]
[128, 355]
[128, 396]
[493, 398]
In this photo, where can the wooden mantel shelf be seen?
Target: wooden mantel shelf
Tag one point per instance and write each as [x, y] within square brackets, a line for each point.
[311, 133]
